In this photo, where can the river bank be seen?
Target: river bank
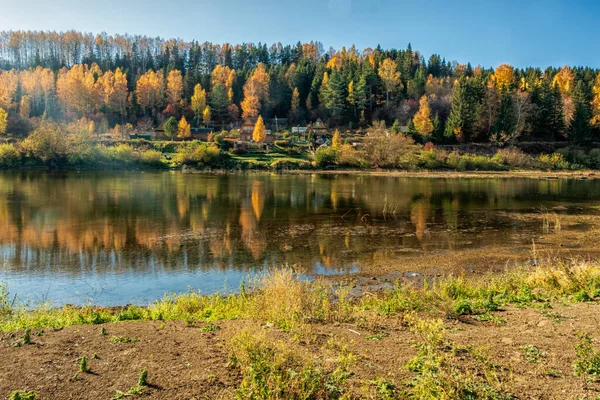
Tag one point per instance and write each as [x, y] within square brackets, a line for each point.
[529, 333]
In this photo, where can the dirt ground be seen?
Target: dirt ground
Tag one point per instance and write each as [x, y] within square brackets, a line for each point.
[186, 363]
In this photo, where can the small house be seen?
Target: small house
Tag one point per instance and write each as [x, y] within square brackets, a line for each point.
[319, 131]
[247, 129]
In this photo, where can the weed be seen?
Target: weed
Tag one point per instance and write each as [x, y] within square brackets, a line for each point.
[439, 374]
[553, 373]
[462, 307]
[83, 364]
[143, 378]
[488, 317]
[123, 339]
[27, 336]
[587, 362]
[210, 328]
[582, 297]
[386, 390]
[95, 356]
[377, 336]
[533, 354]
[22, 395]
[554, 316]
[103, 331]
[134, 391]
[270, 370]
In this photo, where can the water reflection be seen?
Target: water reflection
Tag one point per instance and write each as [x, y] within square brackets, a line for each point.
[133, 236]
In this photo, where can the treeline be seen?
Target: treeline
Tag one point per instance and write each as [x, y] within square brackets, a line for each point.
[141, 81]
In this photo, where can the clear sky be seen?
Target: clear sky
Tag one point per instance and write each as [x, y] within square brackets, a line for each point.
[522, 33]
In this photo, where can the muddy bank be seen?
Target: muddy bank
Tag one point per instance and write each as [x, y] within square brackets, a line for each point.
[185, 362]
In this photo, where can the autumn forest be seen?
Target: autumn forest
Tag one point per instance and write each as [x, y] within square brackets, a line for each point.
[136, 79]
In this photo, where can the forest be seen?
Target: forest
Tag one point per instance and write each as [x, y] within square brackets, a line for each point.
[125, 82]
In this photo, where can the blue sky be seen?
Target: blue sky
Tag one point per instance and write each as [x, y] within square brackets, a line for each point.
[522, 33]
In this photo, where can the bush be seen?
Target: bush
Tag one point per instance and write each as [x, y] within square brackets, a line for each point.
[9, 155]
[594, 159]
[350, 157]
[430, 159]
[290, 163]
[325, 156]
[151, 158]
[514, 158]
[575, 157]
[47, 144]
[554, 161]
[198, 154]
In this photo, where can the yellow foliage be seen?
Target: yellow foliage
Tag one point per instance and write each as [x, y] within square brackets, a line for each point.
[256, 92]
[565, 80]
[388, 72]
[596, 102]
[337, 139]
[295, 100]
[9, 81]
[504, 77]
[3, 120]
[174, 87]
[149, 89]
[199, 101]
[184, 130]
[422, 119]
[207, 115]
[260, 133]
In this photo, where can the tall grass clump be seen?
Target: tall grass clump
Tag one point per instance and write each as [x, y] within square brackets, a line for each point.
[272, 370]
[437, 371]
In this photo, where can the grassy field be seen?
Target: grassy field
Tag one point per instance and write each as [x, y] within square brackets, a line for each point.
[529, 333]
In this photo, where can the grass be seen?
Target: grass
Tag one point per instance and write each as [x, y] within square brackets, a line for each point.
[22, 395]
[272, 362]
[533, 354]
[123, 339]
[280, 299]
[587, 362]
[83, 365]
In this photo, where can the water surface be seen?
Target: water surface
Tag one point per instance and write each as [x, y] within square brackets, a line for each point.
[115, 238]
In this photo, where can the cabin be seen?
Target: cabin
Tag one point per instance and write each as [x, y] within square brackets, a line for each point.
[319, 131]
[247, 129]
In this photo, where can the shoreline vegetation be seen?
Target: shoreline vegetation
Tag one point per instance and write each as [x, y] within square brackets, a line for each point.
[60, 147]
[279, 337]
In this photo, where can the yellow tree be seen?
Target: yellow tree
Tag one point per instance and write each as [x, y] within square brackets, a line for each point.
[295, 110]
[256, 92]
[3, 120]
[9, 82]
[503, 77]
[388, 72]
[150, 90]
[565, 80]
[198, 102]
[207, 115]
[422, 119]
[120, 92]
[79, 88]
[174, 87]
[184, 130]
[24, 107]
[260, 133]
[596, 102]
[336, 142]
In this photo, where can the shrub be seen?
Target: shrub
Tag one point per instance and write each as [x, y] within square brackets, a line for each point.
[9, 155]
[575, 157]
[348, 156]
[198, 154]
[47, 144]
[325, 156]
[151, 158]
[119, 154]
[553, 161]
[514, 158]
[430, 159]
[594, 159]
[290, 163]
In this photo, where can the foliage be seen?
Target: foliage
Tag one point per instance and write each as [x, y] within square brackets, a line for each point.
[198, 154]
[3, 120]
[325, 156]
[171, 127]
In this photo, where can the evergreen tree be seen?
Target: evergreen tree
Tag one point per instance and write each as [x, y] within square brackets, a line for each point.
[334, 96]
[466, 102]
[580, 128]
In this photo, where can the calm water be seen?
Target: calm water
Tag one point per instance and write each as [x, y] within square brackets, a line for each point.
[115, 238]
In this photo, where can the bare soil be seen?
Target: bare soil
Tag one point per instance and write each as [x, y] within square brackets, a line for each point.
[185, 363]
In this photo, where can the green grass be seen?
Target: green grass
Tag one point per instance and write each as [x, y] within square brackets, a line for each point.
[123, 339]
[282, 300]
